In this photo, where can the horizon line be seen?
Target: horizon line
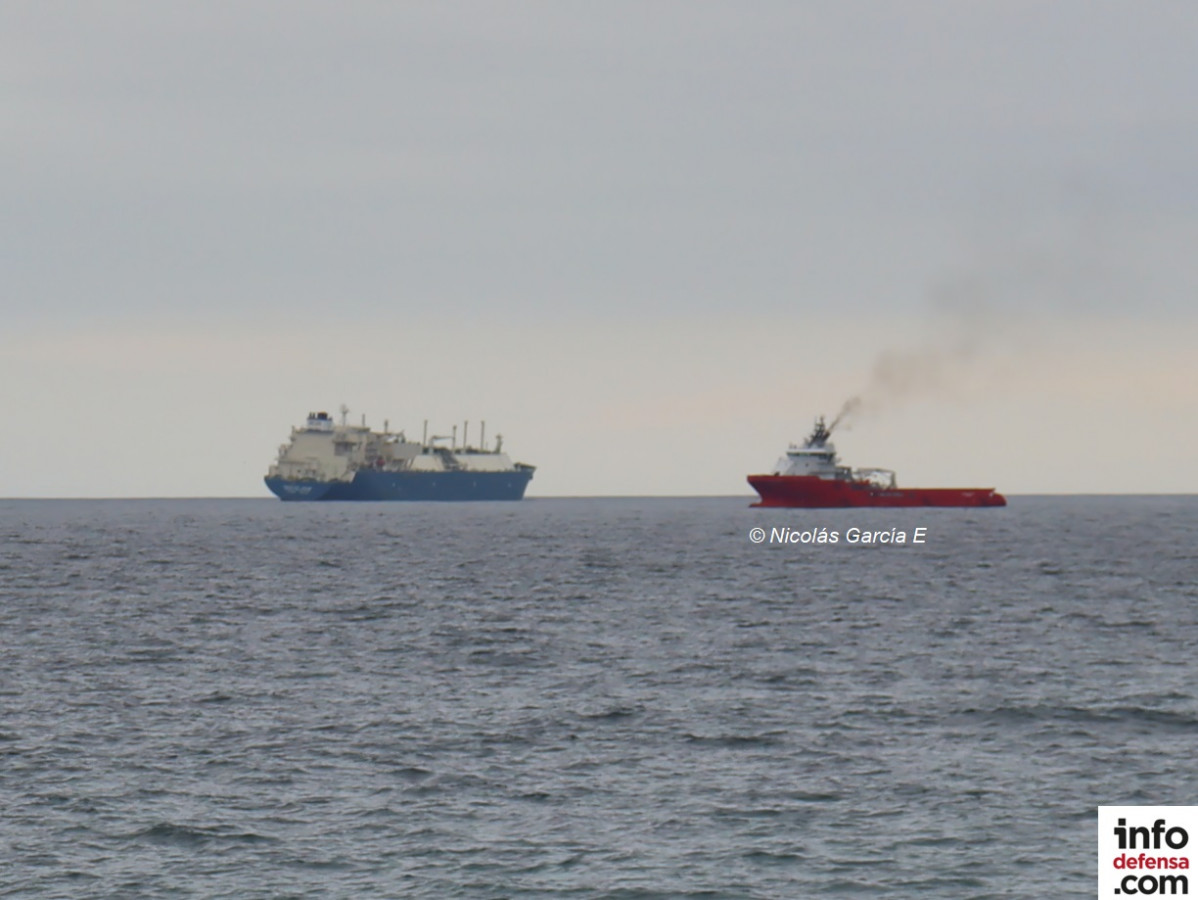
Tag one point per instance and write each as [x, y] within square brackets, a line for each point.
[567, 497]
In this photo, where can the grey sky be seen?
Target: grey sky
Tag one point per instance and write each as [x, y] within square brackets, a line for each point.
[474, 184]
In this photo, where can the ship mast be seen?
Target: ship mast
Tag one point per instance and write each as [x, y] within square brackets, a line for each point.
[820, 434]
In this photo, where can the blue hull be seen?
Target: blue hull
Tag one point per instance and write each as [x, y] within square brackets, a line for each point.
[372, 485]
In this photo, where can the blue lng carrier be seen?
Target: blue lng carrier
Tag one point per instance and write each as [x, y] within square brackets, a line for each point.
[326, 461]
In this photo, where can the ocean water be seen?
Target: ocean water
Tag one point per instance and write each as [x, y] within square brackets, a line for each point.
[618, 698]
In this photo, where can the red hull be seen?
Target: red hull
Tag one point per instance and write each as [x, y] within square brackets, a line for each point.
[810, 492]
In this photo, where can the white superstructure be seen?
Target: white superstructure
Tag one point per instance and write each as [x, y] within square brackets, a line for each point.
[816, 457]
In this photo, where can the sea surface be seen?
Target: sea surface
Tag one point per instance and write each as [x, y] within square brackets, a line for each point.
[618, 698]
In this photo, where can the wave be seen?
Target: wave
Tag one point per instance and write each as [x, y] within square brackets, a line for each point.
[196, 835]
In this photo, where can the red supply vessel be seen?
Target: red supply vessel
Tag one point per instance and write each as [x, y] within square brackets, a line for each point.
[810, 477]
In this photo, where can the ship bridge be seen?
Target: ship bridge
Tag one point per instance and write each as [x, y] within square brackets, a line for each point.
[319, 421]
[815, 457]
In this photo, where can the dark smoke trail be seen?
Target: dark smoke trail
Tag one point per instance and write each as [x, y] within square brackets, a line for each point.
[964, 323]
[850, 406]
[1060, 261]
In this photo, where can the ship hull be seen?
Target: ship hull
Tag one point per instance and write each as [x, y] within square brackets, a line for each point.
[811, 492]
[372, 485]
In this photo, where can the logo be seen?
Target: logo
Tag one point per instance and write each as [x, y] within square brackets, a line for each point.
[1145, 850]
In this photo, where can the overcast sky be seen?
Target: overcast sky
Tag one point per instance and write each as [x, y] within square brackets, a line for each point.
[648, 242]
